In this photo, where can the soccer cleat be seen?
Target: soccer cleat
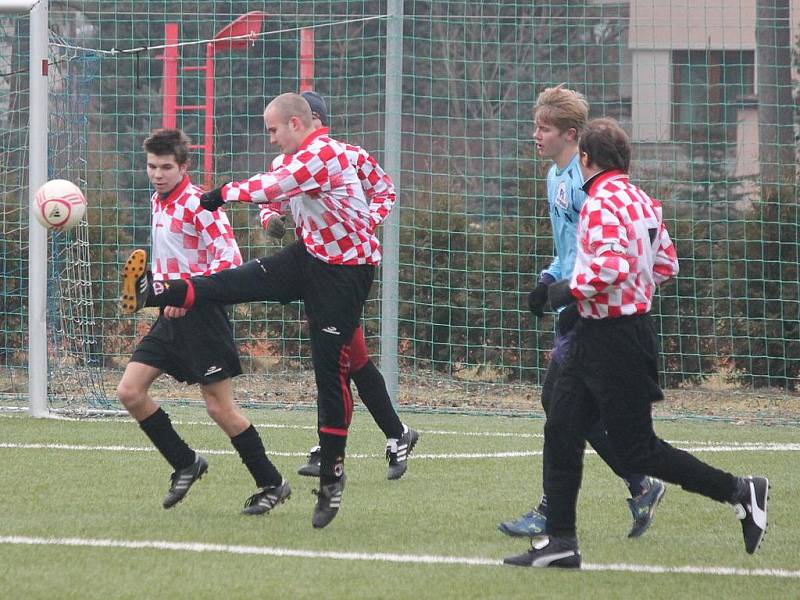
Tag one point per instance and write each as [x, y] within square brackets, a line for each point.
[311, 468]
[265, 499]
[329, 499]
[183, 479]
[530, 524]
[547, 551]
[643, 507]
[752, 512]
[397, 452]
[135, 282]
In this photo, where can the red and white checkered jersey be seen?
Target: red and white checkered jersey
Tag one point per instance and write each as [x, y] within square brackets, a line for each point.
[325, 196]
[378, 187]
[624, 251]
[187, 239]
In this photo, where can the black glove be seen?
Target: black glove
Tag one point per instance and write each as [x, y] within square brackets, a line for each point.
[212, 200]
[567, 319]
[560, 294]
[276, 226]
[537, 298]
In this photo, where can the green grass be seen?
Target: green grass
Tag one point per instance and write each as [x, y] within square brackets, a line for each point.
[443, 507]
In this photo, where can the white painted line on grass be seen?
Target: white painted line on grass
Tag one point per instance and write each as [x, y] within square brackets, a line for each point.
[499, 434]
[81, 447]
[420, 559]
[768, 447]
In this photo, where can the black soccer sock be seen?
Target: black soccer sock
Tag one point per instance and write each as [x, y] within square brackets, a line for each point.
[251, 450]
[159, 429]
[331, 465]
[372, 389]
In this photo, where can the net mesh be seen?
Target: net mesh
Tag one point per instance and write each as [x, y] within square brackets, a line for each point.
[714, 135]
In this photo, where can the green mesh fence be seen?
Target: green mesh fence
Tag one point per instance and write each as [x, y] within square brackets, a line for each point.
[706, 90]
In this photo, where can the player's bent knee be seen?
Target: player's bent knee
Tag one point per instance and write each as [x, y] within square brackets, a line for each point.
[130, 396]
[220, 410]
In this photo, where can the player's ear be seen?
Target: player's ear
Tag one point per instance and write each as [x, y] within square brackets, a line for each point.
[572, 134]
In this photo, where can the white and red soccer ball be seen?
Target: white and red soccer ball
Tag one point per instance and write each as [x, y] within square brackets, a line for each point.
[59, 203]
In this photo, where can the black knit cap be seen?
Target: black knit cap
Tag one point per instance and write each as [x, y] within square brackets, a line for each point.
[317, 104]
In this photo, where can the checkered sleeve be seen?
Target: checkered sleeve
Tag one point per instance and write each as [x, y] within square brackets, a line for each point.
[267, 212]
[605, 243]
[271, 209]
[665, 258]
[305, 173]
[377, 186]
[216, 235]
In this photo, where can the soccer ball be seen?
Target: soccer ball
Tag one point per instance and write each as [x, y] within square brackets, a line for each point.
[59, 203]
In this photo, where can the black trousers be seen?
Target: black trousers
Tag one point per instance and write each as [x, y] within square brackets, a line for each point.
[333, 296]
[595, 433]
[610, 372]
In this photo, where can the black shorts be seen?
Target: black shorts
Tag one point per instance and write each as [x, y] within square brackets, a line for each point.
[196, 348]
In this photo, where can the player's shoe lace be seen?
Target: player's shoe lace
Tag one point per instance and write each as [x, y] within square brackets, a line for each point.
[397, 452]
[547, 551]
[329, 499]
[265, 499]
[311, 467]
[183, 479]
[752, 512]
[643, 507]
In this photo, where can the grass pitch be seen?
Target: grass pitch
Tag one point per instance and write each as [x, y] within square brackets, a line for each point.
[82, 516]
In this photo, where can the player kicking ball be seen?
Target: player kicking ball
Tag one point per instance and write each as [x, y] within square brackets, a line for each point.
[195, 346]
[380, 195]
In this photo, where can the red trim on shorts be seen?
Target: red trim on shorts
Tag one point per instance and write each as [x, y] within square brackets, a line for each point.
[188, 301]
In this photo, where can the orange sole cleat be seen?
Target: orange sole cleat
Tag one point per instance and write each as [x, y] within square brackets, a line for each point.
[134, 294]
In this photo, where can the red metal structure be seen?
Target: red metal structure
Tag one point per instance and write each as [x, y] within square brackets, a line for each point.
[306, 60]
[234, 36]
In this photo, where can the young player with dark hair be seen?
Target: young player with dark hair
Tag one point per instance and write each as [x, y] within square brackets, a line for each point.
[559, 117]
[195, 346]
[331, 269]
[611, 368]
[379, 193]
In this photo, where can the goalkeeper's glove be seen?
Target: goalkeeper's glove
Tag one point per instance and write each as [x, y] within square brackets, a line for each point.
[276, 226]
[212, 200]
[560, 294]
[567, 319]
[537, 298]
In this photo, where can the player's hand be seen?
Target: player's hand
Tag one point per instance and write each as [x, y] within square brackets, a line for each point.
[560, 294]
[174, 312]
[537, 298]
[276, 226]
[567, 319]
[212, 200]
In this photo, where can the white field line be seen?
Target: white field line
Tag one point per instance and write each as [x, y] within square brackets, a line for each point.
[434, 456]
[421, 559]
[498, 434]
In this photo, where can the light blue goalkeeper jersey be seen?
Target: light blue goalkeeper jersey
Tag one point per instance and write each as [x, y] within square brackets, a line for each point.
[565, 198]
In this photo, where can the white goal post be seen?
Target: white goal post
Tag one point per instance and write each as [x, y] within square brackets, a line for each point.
[37, 175]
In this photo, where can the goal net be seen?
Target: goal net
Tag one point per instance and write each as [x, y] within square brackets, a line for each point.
[707, 96]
